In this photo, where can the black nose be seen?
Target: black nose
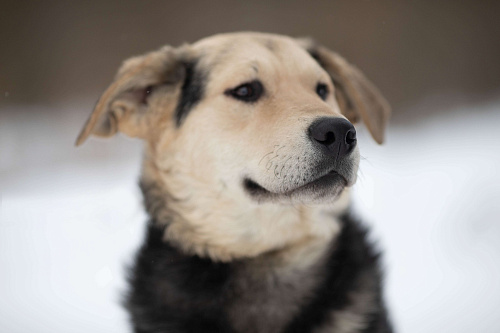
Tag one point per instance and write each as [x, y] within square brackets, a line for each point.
[335, 136]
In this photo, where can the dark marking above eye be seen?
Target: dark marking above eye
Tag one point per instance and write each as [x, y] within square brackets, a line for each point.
[191, 92]
[270, 45]
[322, 91]
[315, 55]
[248, 92]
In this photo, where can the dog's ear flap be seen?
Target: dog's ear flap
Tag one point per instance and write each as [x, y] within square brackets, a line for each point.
[356, 95]
[124, 105]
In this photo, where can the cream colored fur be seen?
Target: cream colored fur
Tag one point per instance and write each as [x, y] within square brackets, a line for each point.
[198, 167]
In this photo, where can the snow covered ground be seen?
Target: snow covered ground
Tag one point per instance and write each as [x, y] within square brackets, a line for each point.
[71, 219]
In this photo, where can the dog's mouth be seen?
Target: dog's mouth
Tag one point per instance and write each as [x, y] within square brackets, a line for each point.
[328, 185]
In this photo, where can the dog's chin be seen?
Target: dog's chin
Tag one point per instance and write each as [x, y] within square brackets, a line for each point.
[324, 189]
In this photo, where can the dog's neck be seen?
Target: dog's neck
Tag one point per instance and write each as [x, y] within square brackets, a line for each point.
[223, 226]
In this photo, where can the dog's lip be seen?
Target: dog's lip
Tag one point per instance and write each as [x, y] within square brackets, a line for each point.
[256, 189]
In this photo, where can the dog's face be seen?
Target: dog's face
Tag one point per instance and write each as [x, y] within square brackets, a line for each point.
[252, 118]
[250, 131]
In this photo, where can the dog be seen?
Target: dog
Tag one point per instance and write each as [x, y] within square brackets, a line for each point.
[250, 151]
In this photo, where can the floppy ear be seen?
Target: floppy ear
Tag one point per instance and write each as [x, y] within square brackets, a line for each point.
[124, 105]
[356, 95]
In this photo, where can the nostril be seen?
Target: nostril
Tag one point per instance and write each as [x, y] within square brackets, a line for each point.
[334, 136]
[350, 137]
[328, 138]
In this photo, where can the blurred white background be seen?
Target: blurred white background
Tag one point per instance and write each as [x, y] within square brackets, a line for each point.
[71, 218]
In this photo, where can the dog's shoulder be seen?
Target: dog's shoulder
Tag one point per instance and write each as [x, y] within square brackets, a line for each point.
[350, 297]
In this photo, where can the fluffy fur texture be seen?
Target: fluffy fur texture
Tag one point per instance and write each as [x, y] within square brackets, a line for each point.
[173, 292]
[249, 225]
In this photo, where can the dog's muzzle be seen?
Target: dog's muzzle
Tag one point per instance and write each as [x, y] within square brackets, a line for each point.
[329, 167]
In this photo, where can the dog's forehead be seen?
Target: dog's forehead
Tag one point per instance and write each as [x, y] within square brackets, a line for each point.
[252, 48]
[233, 42]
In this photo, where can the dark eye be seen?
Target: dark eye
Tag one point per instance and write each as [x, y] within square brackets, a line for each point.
[322, 91]
[247, 92]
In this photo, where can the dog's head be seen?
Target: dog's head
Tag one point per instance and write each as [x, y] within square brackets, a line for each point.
[247, 117]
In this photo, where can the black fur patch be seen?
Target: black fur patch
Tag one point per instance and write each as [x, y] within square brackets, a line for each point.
[191, 93]
[352, 257]
[173, 292]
